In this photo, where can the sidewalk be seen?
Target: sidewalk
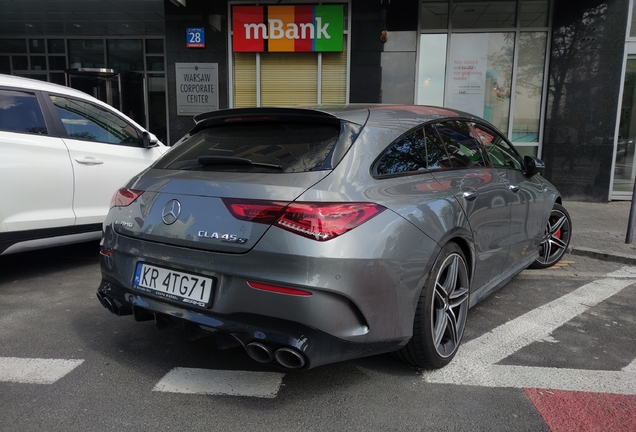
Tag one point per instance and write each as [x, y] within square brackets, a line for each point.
[599, 230]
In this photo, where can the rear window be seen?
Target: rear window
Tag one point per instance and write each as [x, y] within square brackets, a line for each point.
[20, 112]
[256, 147]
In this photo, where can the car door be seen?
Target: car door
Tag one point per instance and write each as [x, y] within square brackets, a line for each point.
[526, 195]
[36, 176]
[480, 191]
[106, 151]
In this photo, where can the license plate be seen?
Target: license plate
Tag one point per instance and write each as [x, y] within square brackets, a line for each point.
[174, 285]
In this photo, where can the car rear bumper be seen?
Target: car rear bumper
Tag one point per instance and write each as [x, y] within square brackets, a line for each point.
[268, 340]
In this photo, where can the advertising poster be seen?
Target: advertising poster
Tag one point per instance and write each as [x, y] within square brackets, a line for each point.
[466, 73]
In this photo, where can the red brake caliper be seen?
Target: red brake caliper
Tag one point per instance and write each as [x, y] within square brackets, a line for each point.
[558, 233]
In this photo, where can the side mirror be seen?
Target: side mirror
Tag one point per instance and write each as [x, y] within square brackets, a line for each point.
[533, 166]
[145, 139]
[148, 139]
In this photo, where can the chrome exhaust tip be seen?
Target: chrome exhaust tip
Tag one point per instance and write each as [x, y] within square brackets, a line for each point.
[290, 358]
[107, 303]
[259, 352]
[102, 300]
[142, 315]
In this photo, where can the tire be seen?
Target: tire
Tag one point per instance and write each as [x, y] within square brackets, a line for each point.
[441, 312]
[556, 238]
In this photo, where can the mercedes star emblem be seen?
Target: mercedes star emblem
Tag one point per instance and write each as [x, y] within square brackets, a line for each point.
[171, 212]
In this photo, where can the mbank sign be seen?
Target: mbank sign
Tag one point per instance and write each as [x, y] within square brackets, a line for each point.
[287, 28]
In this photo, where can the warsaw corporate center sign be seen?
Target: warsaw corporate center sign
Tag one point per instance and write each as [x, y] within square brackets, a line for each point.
[197, 88]
[287, 28]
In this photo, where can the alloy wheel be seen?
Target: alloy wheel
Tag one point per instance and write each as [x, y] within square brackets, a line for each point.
[450, 305]
[556, 238]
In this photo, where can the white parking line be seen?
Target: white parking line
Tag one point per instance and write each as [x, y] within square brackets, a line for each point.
[221, 382]
[475, 362]
[35, 371]
[630, 367]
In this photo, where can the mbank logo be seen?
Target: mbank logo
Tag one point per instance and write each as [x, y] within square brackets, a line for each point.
[287, 28]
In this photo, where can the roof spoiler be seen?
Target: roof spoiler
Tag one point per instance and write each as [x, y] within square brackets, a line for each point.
[269, 113]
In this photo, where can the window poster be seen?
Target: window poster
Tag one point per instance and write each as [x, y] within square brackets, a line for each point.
[466, 73]
[479, 75]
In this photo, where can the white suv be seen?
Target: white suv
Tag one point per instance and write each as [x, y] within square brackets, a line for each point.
[63, 154]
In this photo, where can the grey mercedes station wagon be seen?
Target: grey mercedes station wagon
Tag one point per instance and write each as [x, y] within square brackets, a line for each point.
[310, 236]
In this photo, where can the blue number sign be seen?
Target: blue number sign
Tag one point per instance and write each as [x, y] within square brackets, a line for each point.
[195, 38]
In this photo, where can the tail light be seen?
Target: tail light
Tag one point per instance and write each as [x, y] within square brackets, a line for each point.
[264, 212]
[317, 221]
[124, 197]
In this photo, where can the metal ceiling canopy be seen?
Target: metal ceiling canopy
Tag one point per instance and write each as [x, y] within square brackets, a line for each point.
[68, 18]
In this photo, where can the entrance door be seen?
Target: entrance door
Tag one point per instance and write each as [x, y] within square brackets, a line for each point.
[624, 165]
[123, 91]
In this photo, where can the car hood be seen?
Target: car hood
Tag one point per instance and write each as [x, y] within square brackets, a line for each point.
[186, 208]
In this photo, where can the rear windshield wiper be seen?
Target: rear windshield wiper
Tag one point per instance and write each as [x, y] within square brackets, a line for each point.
[229, 160]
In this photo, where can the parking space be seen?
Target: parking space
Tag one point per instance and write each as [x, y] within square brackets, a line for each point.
[68, 364]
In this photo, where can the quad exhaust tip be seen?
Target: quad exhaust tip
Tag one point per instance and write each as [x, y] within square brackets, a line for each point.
[286, 357]
[289, 358]
[112, 306]
[107, 303]
[259, 352]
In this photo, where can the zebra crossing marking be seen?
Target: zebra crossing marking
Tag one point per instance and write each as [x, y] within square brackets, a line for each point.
[221, 382]
[35, 370]
[475, 362]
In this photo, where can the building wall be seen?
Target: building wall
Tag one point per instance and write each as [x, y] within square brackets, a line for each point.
[587, 50]
[212, 16]
[366, 52]
[383, 72]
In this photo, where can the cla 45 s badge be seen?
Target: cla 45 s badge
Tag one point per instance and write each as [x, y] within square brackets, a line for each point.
[231, 238]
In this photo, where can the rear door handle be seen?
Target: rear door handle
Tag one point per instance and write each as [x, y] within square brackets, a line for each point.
[514, 188]
[89, 160]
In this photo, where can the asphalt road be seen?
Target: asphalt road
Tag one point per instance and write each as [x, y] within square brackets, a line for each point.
[67, 364]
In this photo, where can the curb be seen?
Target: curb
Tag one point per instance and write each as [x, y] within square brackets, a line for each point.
[603, 256]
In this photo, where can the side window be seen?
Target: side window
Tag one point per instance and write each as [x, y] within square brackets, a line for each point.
[408, 154]
[436, 155]
[501, 154]
[20, 112]
[463, 149]
[88, 122]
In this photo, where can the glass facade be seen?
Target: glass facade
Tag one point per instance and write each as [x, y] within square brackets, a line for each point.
[625, 155]
[471, 14]
[62, 61]
[624, 168]
[529, 86]
[432, 69]
[487, 58]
